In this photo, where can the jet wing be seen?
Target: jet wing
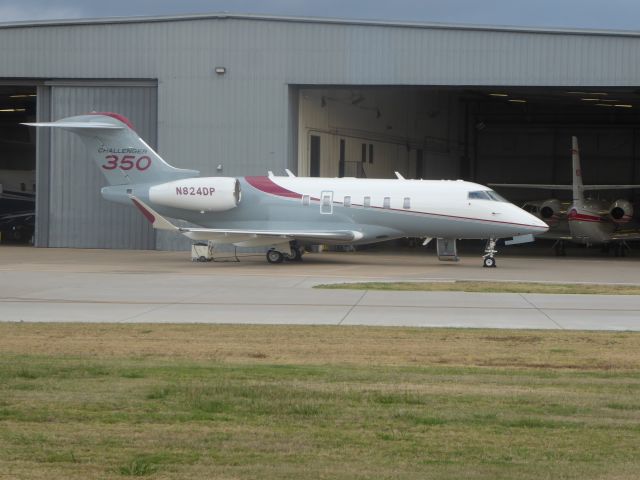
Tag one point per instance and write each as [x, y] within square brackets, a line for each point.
[626, 235]
[244, 237]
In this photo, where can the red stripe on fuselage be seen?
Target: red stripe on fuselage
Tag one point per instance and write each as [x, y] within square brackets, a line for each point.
[266, 185]
[574, 216]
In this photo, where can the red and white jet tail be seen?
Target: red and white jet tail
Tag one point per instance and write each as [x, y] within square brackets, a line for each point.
[576, 184]
[121, 155]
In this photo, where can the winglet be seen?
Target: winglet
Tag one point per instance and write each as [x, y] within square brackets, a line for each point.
[157, 221]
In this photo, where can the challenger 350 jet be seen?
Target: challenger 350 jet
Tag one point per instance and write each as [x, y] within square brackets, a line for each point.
[587, 221]
[282, 213]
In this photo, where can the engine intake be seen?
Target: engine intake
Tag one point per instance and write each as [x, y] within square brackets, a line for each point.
[550, 211]
[206, 194]
[621, 211]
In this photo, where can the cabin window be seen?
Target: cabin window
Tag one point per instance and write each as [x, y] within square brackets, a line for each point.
[386, 203]
[347, 201]
[406, 204]
[367, 202]
[306, 200]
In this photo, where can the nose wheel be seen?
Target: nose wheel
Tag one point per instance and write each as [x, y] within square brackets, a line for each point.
[488, 259]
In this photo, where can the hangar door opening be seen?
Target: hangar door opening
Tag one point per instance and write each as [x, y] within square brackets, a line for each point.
[76, 214]
[372, 132]
[486, 134]
[17, 164]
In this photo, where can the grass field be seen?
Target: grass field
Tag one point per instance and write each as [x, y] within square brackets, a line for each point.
[270, 402]
[491, 287]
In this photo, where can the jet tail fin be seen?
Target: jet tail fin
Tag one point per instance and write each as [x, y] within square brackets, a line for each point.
[121, 155]
[578, 187]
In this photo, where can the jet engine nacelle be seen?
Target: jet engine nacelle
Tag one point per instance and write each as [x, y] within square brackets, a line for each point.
[621, 211]
[204, 194]
[550, 211]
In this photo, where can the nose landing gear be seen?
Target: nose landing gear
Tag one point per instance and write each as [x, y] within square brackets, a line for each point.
[489, 260]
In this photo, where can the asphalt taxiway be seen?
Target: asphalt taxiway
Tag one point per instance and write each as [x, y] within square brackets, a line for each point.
[69, 285]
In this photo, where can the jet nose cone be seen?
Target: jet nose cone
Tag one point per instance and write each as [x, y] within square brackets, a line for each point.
[538, 226]
[541, 224]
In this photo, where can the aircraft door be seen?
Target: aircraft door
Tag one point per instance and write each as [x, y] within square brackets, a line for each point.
[326, 202]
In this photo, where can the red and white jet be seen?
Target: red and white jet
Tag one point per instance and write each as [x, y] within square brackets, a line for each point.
[584, 220]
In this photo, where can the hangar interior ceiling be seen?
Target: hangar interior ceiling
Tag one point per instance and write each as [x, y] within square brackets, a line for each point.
[17, 163]
[488, 134]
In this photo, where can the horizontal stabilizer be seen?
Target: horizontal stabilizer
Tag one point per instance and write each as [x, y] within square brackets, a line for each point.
[531, 185]
[610, 187]
[94, 125]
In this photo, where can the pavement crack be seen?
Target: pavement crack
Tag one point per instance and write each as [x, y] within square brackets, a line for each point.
[353, 306]
[541, 311]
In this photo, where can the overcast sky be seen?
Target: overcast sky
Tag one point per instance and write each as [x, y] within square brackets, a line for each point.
[593, 14]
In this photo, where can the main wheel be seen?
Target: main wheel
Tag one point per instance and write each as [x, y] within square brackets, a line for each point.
[296, 255]
[274, 256]
[489, 262]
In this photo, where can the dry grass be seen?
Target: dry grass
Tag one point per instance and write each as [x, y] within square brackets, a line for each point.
[491, 287]
[320, 345]
[256, 402]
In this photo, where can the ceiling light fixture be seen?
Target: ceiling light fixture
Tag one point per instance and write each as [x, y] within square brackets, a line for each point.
[516, 100]
[590, 94]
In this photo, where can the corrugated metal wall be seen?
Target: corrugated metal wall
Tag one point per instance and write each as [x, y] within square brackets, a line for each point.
[243, 120]
[78, 215]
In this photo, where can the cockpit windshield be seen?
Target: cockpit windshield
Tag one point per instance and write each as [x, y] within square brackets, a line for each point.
[486, 195]
[496, 196]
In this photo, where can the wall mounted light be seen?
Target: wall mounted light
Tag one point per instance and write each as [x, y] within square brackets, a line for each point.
[220, 70]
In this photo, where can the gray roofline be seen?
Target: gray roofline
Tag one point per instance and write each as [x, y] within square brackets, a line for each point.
[318, 20]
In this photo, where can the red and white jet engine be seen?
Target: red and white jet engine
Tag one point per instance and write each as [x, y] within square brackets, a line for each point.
[206, 194]
[621, 211]
[550, 211]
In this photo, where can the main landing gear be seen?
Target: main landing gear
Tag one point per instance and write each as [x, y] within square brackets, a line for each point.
[489, 260]
[558, 247]
[294, 253]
